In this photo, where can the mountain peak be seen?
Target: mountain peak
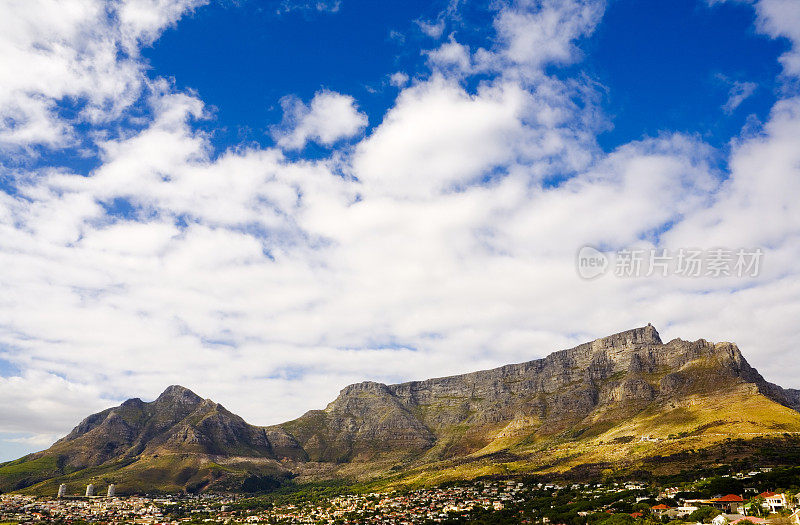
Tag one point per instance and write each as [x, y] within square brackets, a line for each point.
[643, 336]
[369, 387]
[177, 394]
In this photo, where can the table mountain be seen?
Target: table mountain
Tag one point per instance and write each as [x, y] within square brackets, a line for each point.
[624, 401]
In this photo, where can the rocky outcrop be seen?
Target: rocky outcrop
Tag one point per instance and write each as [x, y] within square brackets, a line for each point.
[365, 421]
[792, 398]
[606, 378]
[177, 421]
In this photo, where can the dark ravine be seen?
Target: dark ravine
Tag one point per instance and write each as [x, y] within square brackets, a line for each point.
[589, 394]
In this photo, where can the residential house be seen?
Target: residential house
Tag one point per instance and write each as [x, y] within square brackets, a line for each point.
[774, 501]
[663, 510]
[730, 504]
[720, 520]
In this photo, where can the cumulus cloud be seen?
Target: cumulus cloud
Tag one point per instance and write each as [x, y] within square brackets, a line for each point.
[451, 57]
[443, 240]
[438, 136]
[329, 117]
[66, 52]
[781, 19]
[536, 33]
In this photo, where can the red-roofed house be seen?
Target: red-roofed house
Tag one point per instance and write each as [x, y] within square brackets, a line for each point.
[661, 510]
[730, 503]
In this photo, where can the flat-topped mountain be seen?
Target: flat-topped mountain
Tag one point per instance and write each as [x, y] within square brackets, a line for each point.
[586, 389]
[614, 403]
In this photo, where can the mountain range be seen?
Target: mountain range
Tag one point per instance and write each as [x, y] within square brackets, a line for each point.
[626, 403]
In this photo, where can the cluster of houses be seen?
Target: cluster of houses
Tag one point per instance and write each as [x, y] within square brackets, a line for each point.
[417, 506]
[15, 508]
[735, 509]
[436, 504]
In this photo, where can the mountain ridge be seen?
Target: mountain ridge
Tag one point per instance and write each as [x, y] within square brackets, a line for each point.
[574, 407]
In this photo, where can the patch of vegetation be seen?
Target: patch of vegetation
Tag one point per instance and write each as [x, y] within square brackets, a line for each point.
[17, 475]
[266, 483]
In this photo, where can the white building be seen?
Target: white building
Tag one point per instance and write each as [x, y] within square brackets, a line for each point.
[773, 501]
[720, 520]
[62, 490]
[112, 489]
[89, 490]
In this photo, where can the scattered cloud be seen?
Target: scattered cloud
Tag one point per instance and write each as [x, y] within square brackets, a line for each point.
[77, 54]
[397, 36]
[309, 6]
[738, 92]
[536, 33]
[329, 117]
[781, 19]
[452, 57]
[435, 28]
[432, 29]
[398, 79]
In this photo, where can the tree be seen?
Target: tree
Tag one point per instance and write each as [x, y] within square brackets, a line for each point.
[619, 519]
[704, 515]
[755, 507]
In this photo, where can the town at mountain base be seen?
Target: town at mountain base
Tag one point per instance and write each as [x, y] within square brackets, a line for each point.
[627, 404]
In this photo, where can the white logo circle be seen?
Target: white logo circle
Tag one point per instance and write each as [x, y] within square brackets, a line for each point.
[591, 262]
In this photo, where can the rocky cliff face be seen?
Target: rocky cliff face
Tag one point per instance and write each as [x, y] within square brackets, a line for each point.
[606, 379]
[165, 444]
[606, 391]
[367, 419]
[177, 421]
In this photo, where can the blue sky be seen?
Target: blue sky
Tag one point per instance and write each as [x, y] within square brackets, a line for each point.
[663, 65]
[298, 195]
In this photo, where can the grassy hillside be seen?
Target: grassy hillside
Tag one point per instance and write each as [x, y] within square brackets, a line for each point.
[659, 439]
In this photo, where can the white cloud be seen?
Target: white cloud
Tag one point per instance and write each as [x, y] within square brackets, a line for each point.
[451, 57]
[432, 29]
[755, 206]
[142, 21]
[536, 33]
[438, 136]
[781, 18]
[66, 51]
[320, 6]
[738, 92]
[398, 79]
[329, 118]
[35, 441]
[44, 403]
